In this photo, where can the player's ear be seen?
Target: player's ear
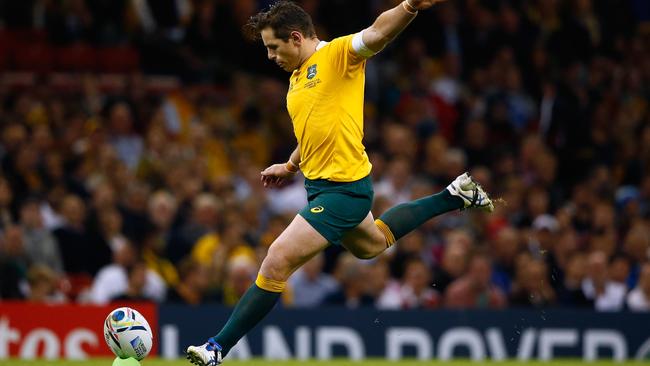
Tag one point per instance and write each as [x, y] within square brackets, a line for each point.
[296, 38]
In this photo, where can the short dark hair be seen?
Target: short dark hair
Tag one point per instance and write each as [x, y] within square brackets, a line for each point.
[283, 17]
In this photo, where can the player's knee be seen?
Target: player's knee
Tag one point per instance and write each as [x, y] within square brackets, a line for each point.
[369, 251]
[365, 255]
[276, 265]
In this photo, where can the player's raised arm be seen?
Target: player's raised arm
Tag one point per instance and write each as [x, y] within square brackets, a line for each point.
[391, 23]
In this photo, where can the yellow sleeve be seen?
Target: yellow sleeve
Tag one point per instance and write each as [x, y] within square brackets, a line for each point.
[342, 56]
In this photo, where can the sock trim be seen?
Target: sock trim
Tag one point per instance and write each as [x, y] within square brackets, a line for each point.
[269, 284]
[388, 234]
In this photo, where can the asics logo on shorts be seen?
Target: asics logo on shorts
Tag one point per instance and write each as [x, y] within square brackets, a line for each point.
[317, 209]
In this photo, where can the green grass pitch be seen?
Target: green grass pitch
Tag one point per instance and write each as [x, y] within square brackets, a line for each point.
[372, 362]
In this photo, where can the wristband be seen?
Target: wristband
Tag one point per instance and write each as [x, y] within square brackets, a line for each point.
[409, 8]
[291, 167]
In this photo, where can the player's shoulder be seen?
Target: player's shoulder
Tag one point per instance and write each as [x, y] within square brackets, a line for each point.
[340, 51]
[338, 42]
[342, 39]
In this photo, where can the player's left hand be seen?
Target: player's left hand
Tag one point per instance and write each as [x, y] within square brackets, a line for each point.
[423, 4]
[276, 175]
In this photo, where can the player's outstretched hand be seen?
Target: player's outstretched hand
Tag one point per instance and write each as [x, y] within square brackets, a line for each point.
[423, 4]
[276, 176]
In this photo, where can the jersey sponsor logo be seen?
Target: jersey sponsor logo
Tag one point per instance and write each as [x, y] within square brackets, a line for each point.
[317, 209]
[311, 72]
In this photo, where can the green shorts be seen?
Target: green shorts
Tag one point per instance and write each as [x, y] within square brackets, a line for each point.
[334, 208]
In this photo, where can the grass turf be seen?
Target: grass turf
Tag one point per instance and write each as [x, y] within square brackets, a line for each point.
[372, 362]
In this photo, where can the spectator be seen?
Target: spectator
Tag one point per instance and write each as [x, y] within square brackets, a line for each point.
[113, 279]
[43, 285]
[532, 288]
[240, 275]
[103, 198]
[134, 211]
[204, 220]
[636, 243]
[603, 229]
[40, 245]
[620, 270]
[310, 285]
[6, 202]
[598, 286]
[352, 277]
[639, 298]
[81, 253]
[566, 246]
[26, 178]
[570, 293]
[137, 277]
[193, 287]
[409, 247]
[13, 264]
[397, 185]
[110, 229]
[545, 228]
[474, 289]
[506, 246]
[415, 292]
[162, 210]
[453, 266]
[383, 287]
[123, 138]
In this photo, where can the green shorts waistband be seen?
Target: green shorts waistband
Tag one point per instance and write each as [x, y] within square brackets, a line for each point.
[330, 183]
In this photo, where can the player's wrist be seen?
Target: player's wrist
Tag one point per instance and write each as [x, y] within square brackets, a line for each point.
[409, 8]
[291, 167]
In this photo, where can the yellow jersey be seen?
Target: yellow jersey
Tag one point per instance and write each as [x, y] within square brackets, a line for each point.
[325, 102]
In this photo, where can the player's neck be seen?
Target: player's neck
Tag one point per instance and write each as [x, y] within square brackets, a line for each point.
[309, 48]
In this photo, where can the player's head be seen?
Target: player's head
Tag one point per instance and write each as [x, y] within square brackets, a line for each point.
[283, 28]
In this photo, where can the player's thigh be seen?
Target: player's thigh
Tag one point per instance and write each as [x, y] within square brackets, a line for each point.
[365, 240]
[298, 243]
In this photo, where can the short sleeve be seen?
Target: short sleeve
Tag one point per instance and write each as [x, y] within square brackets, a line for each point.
[342, 55]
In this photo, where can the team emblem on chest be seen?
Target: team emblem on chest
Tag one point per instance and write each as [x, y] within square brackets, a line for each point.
[311, 71]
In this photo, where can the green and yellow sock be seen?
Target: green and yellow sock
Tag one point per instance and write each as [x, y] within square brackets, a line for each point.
[406, 217]
[256, 303]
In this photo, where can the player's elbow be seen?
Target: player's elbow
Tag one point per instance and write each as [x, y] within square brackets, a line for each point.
[376, 40]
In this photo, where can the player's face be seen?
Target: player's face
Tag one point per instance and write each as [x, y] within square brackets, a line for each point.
[285, 54]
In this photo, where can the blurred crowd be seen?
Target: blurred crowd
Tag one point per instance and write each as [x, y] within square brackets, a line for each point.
[127, 192]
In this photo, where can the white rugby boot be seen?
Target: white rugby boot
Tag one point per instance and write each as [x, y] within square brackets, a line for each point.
[207, 354]
[471, 193]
